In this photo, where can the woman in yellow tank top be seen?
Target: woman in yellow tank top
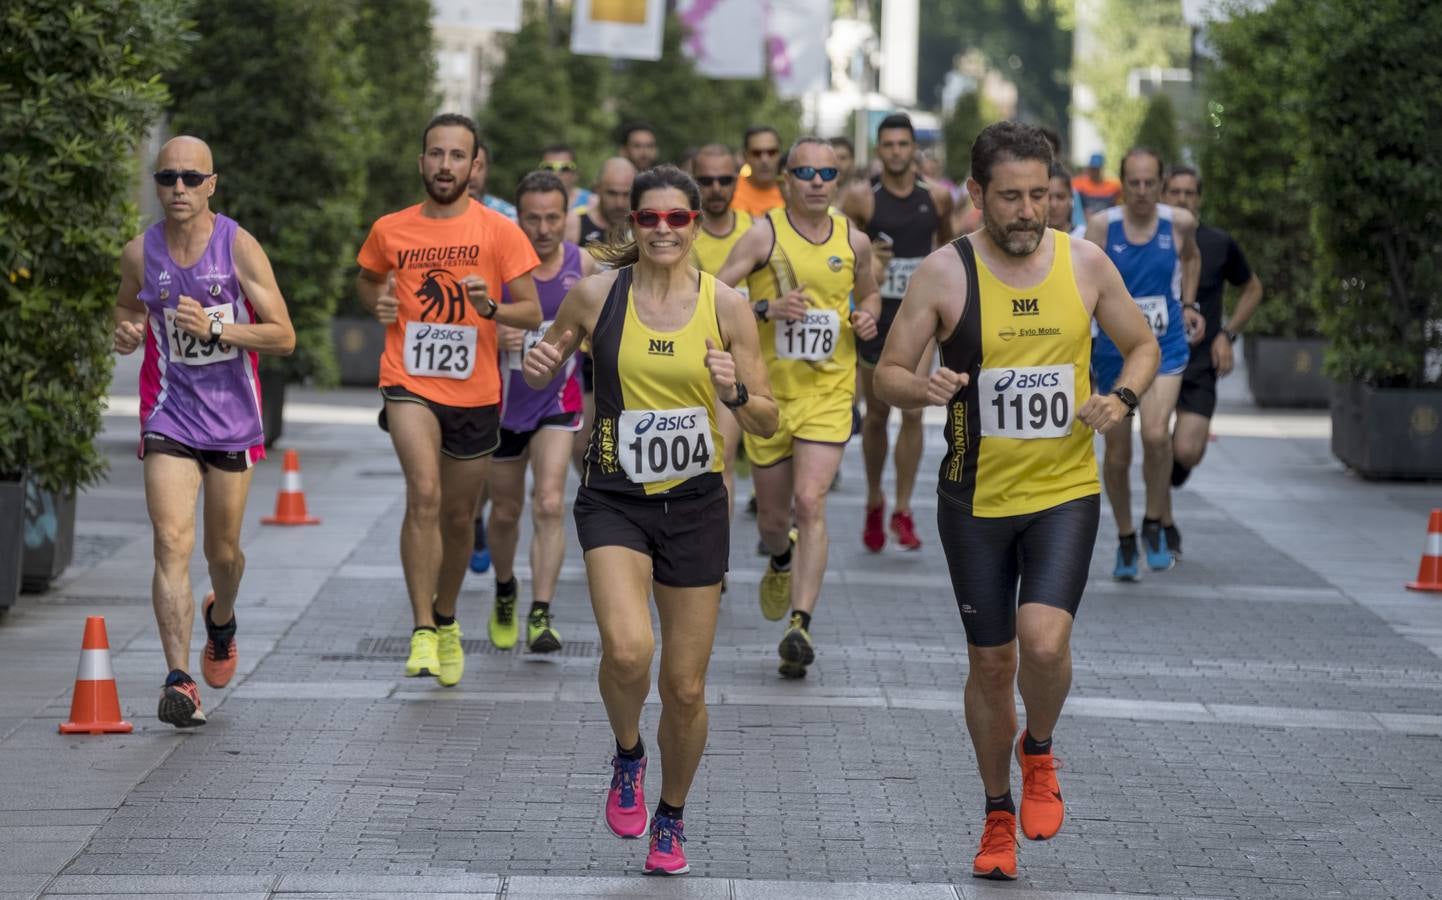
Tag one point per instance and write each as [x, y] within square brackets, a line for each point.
[668, 342]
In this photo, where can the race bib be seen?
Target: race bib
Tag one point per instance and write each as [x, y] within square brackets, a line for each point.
[898, 276]
[813, 338]
[1026, 402]
[1155, 309]
[189, 350]
[664, 444]
[529, 340]
[433, 350]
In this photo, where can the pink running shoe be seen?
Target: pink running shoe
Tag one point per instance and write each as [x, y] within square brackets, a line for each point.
[626, 814]
[667, 857]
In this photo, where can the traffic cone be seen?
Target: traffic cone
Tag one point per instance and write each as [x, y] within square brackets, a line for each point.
[290, 501]
[95, 708]
[1429, 574]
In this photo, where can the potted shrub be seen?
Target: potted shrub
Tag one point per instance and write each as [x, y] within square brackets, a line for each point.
[1374, 138]
[1255, 187]
[78, 90]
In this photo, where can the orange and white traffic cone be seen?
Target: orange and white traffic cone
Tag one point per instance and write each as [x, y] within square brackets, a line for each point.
[95, 708]
[1429, 574]
[290, 501]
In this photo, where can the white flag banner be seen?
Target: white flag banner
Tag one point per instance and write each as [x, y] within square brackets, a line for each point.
[726, 38]
[621, 29]
[796, 32]
[486, 15]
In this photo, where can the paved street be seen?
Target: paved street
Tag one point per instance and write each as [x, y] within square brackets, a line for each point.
[1263, 721]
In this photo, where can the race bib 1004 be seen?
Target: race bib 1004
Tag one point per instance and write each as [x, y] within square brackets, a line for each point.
[1155, 309]
[664, 444]
[813, 338]
[529, 340]
[898, 276]
[1026, 402]
[435, 350]
[189, 350]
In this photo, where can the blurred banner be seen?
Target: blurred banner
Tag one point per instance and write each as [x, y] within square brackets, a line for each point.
[796, 32]
[486, 15]
[726, 38]
[624, 29]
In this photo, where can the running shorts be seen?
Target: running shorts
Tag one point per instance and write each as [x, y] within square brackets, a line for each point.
[820, 419]
[688, 538]
[1199, 383]
[222, 460]
[466, 432]
[514, 443]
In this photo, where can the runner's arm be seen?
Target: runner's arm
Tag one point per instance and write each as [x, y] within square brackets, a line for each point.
[921, 318]
[1246, 305]
[748, 255]
[759, 415]
[1185, 227]
[941, 199]
[589, 266]
[370, 287]
[523, 309]
[1097, 230]
[857, 203]
[864, 289]
[130, 312]
[573, 226]
[272, 331]
[576, 318]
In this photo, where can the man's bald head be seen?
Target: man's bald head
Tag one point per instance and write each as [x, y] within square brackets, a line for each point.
[181, 157]
[185, 152]
[613, 185]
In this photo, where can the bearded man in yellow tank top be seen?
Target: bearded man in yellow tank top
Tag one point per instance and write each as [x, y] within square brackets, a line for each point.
[1010, 308]
[802, 264]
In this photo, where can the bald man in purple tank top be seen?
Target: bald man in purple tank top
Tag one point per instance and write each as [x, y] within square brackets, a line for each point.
[197, 292]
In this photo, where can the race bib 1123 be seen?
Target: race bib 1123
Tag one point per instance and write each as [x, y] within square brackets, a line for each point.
[435, 350]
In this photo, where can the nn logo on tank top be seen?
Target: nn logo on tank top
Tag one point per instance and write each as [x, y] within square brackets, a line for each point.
[661, 348]
[1025, 306]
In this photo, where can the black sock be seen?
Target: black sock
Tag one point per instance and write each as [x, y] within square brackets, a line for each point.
[1149, 523]
[671, 812]
[805, 619]
[541, 605]
[1180, 473]
[423, 628]
[443, 620]
[1034, 747]
[1000, 804]
[782, 561]
[212, 627]
[506, 588]
[635, 752]
[1128, 540]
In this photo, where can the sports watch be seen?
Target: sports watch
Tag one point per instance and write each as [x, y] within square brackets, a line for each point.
[741, 395]
[1127, 397]
[761, 308]
[491, 308]
[216, 327]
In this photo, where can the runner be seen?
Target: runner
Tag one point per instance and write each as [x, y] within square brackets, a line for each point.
[1018, 508]
[637, 142]
[1060, 202]
[1222, 263]
[1097, 192]
[804, 264]
[906, 218]
[1154, 247]
[198, 291]
[670, 343]
[757, 192]
[845, 160]
[537, 427]
[427, 272]
[721, 227]
[560, 159]
[480, 171]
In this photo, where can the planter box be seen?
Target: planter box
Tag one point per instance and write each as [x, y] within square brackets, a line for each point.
[49, 536]
[1286, 371]
[1388, 432]
[12, 538]
[358, 346]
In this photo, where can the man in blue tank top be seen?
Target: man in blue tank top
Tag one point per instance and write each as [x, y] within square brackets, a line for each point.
[1154, 246]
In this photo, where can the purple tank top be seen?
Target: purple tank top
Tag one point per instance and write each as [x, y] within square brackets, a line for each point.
[522, 407]
[202, 395]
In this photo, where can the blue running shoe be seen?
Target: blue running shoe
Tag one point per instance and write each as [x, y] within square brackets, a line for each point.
[1127, 569]
[481, 561]
[1154, 539]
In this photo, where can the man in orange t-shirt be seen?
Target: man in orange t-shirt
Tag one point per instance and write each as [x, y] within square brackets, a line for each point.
[757, 191]
[1094, 190]
[430, 273]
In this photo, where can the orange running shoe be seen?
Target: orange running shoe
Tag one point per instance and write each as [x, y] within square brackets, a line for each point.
[997, 857]
[873, 535]
[218, 658]
[1042, 809]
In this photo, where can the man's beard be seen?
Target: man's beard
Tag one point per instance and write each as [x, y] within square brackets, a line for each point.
[458, 187]
[1015, 241]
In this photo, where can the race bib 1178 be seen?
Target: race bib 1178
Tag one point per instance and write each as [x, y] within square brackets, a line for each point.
[813, 338]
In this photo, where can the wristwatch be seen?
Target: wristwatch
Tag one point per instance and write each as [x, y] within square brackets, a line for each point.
[491, 308]
[1127, 397]
[1231, 335]
[761, 308]
[741, 395]
[216, 327]
[1196, 307]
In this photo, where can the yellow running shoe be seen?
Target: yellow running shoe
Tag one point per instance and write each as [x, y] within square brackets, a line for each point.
[541, 635]
[776, 588]
[423, 660]
[503, 628]
[451, 657]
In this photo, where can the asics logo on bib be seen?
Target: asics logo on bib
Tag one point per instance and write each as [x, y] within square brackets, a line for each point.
[440, 333]
[817, 318]
[1025, 306]
[1027, 380]
[661, 348]
[665, 423]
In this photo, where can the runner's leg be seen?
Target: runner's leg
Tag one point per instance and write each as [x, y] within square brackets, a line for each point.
[416, 435]
[814, 465]
[172, 484]
[991, 712]
[224, 515]
[1155, 413]
[508, 499]
[461, 483]
[550, 456]
[875, 441]
[1117, 474]
[620, 585]
[773, 504]
[1044, 678]
[688, 630]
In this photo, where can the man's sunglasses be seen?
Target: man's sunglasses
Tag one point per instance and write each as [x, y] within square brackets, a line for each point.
[558, 165]
[806, 173]
[192, 179]
[709, 180]
[765, 151]
[676, 218]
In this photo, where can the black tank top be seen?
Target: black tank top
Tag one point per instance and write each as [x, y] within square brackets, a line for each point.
[911, 223]
[591, 233]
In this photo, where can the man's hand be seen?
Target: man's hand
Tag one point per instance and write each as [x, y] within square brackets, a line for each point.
[190, 317]
[477, 293]
[545, 358]
[791, 306]
[128, 337]
[945, 384]
[881, 252]
[863, 323]
[1222, 354]
[1102, 411]
[511, 340]
[388, 307]
[722, 367]
[1196, 325]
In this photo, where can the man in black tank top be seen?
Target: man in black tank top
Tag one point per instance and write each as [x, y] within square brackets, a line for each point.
[586, 226]
[905, 219]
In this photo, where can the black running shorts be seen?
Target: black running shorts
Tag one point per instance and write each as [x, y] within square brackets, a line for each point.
[466, 432]
[688, 539]
[998, 563]
[223, 460]
[1199, 384]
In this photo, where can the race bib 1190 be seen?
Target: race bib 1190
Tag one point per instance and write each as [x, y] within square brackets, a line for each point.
[664, 444]
[813, 338]
[435, 350]
[189, 350]
[1026, 402]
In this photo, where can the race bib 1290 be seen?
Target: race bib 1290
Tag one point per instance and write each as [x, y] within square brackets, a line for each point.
[664, 444]
[812, 338]
[435, 350]
[1026, 402]
[189, 350]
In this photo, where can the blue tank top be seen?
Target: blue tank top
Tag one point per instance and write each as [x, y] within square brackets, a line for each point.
[1153, 276]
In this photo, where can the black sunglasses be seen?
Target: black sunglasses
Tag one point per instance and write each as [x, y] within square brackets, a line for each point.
[709, 180]
[192, 179]
[806, 173]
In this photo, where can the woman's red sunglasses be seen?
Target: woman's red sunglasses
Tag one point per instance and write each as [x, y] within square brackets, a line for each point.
[676, 218]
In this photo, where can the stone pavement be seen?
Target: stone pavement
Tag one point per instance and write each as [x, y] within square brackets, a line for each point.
[1263, 721]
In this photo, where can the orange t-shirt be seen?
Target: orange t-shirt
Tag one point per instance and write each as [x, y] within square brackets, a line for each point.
[439, 346]
[754, 201]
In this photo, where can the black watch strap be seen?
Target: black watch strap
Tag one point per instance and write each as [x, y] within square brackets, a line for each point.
[742, 395]
[1128, 397]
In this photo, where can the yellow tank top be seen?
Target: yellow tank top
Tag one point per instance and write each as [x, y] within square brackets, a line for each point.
[1014, 445]
[655, 430]
[817, 355]
[708, 252]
